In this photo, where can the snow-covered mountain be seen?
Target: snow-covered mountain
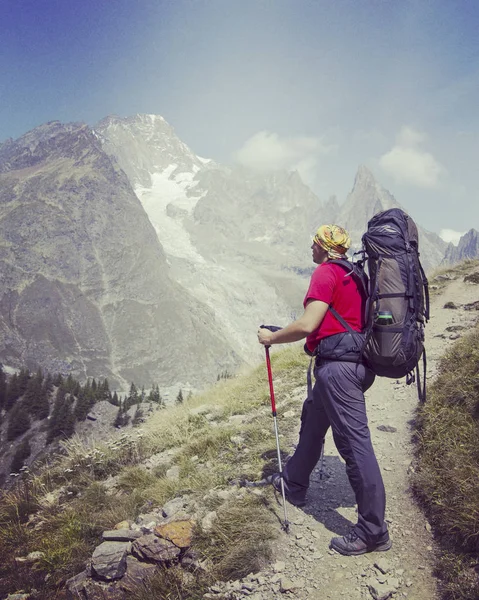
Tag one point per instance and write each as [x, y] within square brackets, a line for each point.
[232, 237]
[125, 255]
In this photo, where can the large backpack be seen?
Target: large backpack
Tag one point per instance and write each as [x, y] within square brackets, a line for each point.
[397, 305]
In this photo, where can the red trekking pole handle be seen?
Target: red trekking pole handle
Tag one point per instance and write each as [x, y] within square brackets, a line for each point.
[268, 365]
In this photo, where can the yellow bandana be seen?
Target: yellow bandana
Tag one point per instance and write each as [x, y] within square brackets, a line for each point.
[334, 239]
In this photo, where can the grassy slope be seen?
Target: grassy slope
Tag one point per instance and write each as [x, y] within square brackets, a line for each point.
[447, 478]
[63, 508]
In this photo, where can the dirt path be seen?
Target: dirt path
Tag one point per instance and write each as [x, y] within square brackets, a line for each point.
[304, 567]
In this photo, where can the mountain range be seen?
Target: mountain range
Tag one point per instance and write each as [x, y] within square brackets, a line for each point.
[125, 255]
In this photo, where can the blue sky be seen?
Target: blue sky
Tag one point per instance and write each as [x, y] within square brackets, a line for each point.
[320, 86]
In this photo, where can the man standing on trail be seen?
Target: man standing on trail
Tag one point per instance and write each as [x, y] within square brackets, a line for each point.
[337, 398]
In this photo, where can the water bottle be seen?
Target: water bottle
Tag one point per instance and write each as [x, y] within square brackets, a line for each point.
[384, 317]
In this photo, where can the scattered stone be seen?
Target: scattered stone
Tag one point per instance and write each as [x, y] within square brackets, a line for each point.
[191, 562]
[151, 547]
[18, 596]
[383, 565]
[472, 278]
[136, 573]
[109, 560]
[173, 473]
[450, 305]
[428, 526]
[75, 584]
[237, 440]
[453, 328]
[445, 277]
[178, 532]
[208, 520]
[289, 585]
[122, 525]
[393, 582]
[381, 591]
[279, 566]
[121, 535]
[288, 414]
[175, 506]
[237, 419]
[387, 428]
[472, 306]
[30, 558]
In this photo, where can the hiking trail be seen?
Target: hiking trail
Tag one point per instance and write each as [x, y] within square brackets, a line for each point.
[303, 566]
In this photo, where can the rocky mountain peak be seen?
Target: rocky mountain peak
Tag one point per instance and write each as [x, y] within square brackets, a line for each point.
[468, 247]
[365, 200]
[364, 178]
[144, 145]
[53, 139]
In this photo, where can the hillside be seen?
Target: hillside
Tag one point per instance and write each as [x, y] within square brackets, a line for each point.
[181, 470]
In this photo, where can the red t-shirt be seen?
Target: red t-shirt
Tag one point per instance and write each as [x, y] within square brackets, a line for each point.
[331, 283]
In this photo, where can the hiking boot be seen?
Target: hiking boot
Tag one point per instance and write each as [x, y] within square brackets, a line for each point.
[296, 500]
[352, 545]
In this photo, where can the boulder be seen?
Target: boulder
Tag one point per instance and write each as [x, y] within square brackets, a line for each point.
[109, 560]
[151, 547]
[178, 532]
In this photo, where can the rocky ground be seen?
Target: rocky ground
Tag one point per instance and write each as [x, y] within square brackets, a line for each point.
[304, 567]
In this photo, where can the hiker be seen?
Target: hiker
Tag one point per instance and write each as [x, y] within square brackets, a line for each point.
[337, 398]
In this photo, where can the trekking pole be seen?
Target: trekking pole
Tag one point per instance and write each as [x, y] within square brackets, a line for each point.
[273, 407]
[321, 459]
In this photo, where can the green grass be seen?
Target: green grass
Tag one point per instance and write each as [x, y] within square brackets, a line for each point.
[447, 478]
[62, 509]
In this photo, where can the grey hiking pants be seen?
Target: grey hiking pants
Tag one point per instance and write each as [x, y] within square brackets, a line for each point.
[337, 401]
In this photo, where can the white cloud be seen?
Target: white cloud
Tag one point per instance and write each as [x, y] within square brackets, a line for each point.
[266, 151]
[409, 137]
[449, 235]
[407, 163]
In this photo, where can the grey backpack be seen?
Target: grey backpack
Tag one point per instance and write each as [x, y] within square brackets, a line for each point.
[397, 306]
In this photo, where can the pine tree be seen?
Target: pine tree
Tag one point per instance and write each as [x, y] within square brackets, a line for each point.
[82, 406]
[23, 379]
[22, 453]
[69, 383]
[62, 421]
[138, 416]
[114, 399]
[18, 422]
[33, 399]
[122, 417]
[104, 388]
[13, 392]
[48, 385]
[155, 396]
[58, 380]
[179, 398]
[133, 397]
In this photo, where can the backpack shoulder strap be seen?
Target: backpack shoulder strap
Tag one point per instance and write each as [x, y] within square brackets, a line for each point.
[354, 269]
[362, 280]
